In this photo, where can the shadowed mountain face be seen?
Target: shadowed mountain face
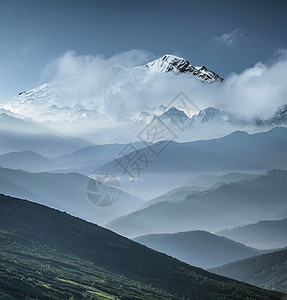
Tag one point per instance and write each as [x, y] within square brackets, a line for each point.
[263, 235]
[28, 161]
[84, 160]
[68, 192]
[176, 65]
[87, 159]
[63, 256]
[229, 205]
[210, 180]
[236, 152]
[215, 120]
[198, 248]
[45, 144]
[268, 271]
[174, 195]
[196, 185]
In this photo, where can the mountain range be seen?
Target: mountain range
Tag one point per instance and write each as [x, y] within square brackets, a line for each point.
[195, 185]
[268, 234]
[211, 180]
[59, 100]
[215, 182]
[43, 143]
[237, 151]
[59, 106]
[228, 205]
[87, 159]
[220, 121]
[28, 161]
[198, 248]
[70, 192]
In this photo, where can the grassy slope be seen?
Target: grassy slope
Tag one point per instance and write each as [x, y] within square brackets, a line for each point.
[52, 254]
[267, 270]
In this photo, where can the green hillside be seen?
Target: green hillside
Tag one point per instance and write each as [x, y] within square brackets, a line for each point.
[267, 271]
[47, 254]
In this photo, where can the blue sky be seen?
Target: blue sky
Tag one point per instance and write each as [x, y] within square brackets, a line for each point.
[226, 36]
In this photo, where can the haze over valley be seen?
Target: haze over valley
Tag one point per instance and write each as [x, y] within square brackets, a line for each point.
[143, 150]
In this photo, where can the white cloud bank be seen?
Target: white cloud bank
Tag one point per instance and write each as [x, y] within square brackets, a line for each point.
[256, 92]
[114, 91]
[70, 64]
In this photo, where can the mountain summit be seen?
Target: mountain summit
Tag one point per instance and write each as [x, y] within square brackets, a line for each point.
[177, 65]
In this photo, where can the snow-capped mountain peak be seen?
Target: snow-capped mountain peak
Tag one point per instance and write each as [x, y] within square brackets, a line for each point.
[92, 101]
[279, 118]
[177, 65]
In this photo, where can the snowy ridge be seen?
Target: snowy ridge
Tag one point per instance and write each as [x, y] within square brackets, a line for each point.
[93, 109]
[58, 101]
[212, 117]
[61, 93]
[279, 118]
[177, 65]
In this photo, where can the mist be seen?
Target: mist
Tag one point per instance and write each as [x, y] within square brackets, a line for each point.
[124, 92]
[108, 94]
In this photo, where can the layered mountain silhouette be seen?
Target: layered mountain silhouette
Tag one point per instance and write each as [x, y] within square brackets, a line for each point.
[211, 180]
[28, 161]
[269, 234]
[198, 248]
[238, 151]
[46, 144]
[87, 159]
[72, 192]
[196, 185]
[229, 205]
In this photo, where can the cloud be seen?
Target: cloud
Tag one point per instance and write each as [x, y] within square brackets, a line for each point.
[230, 39]
[113, 88]
[258, 91]
[279, 54]
[70, 64]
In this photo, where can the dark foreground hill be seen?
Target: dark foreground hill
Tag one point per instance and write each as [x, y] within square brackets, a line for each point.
[267, 271]
[47, 254]
[198, 248]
